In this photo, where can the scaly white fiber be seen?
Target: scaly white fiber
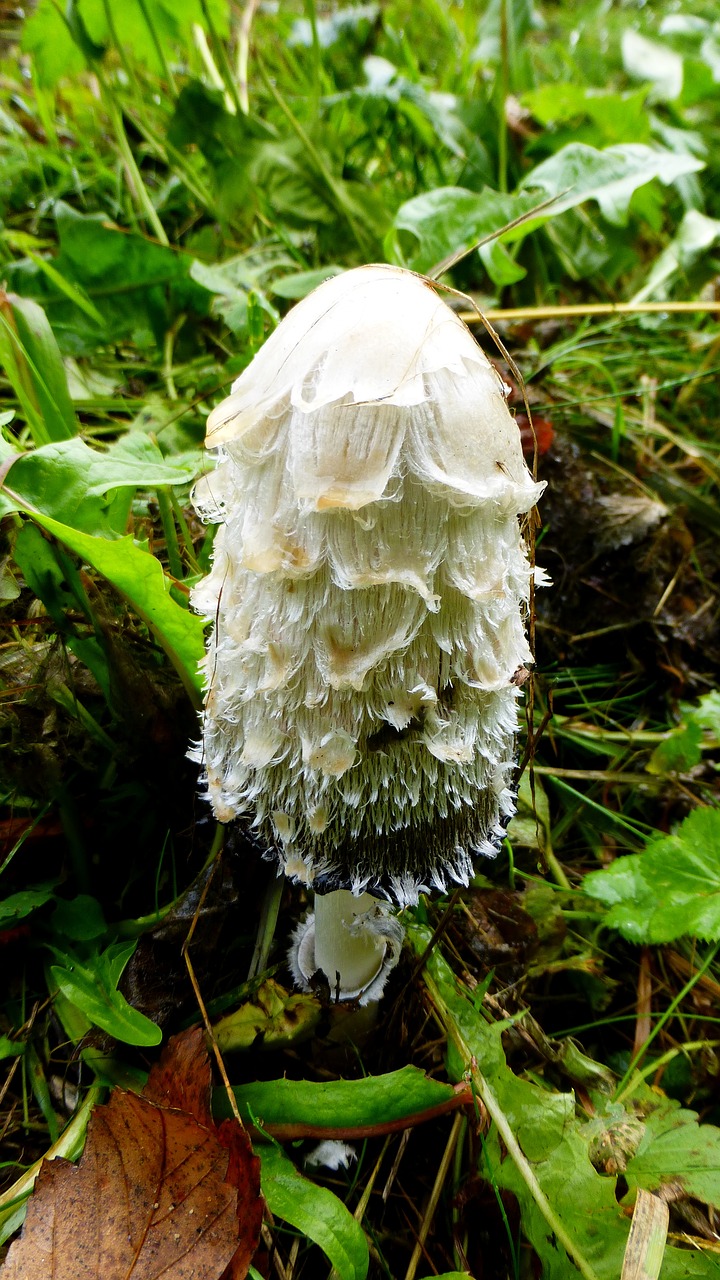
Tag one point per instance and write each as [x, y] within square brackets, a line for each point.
[368, 590]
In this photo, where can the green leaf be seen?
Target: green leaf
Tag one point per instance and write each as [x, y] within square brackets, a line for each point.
[706, 712]
[437, 223]
[615, 117]
[47, 39]
[451, 1275]
[581, 1202]
[11, 1048]
[139, 577]
[342, 1104]
[670, 889]
[316, 1212]
[300, 283]
[57, 54]
[431, 226]
[19, 905]
[80, 918]
[610, 177]
[33, 363]
[135, 285]
[41, 566]
[695, 236]
[91, 985]
[677, 1150]
[78, 485]
[678, 753]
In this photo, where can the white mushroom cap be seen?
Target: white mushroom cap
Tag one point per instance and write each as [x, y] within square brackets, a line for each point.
[376, 339]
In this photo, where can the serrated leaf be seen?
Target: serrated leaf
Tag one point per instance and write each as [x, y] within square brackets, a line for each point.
[316, 1212]
[670, 889]
[583, 1202]
[340, 1104]
[686, 1155]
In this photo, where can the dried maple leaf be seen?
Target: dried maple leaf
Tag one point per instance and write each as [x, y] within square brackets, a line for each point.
[159, 1191]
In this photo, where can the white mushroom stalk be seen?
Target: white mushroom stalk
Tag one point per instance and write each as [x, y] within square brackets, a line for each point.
[368, 592]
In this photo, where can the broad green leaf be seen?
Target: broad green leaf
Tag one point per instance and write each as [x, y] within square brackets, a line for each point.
[437, 223]
[139, 577]
[615, 117]
[92, 986]
[136, 285]
[706, 712]
[11, 1048]
[19, 905]
[56, 54]
[316, 1212]
[451, 1275]
[670, 889]
[80, 918]
[47, 39]
[677, 1150]
[610, 177]
[77, 485]
[32, 361]
[341, 1103]
[678, 753]
[300, 283]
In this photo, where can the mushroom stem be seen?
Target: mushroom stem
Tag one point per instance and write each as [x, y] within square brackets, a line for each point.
[354, 939]
[349, 952]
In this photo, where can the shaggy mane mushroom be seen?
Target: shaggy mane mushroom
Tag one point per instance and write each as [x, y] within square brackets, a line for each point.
[368, 592]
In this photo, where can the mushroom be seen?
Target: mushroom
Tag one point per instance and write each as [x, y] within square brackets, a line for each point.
[368, 592]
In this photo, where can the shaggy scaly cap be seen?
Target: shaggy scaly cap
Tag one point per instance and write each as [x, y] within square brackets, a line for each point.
[368, 591]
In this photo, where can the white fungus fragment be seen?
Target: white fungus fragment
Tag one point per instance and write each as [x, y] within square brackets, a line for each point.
[331, 1153]
[368, 592]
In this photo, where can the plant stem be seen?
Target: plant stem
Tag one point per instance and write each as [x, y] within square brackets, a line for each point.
[503, 96]
[157, 43]
[172, 545]
[243, 53]
[135, 180]
[221, 58]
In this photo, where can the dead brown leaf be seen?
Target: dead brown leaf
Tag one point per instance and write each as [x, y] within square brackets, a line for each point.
[159, 1190]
